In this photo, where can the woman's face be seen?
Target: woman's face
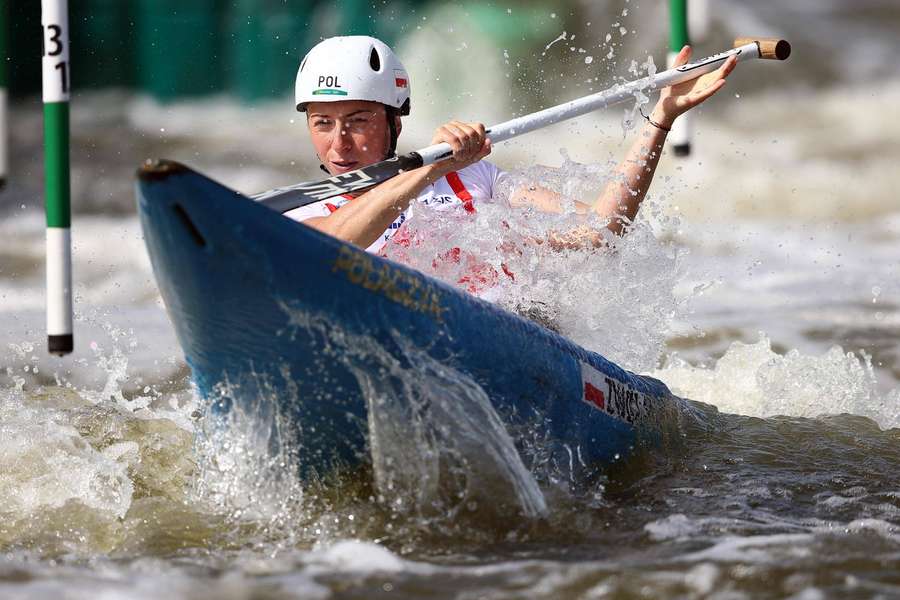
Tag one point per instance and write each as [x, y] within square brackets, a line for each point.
[348, 134]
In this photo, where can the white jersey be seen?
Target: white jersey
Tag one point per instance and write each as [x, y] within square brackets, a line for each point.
[466, 187]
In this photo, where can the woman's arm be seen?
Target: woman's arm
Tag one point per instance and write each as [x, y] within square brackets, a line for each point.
[622, 196]
[364, 219]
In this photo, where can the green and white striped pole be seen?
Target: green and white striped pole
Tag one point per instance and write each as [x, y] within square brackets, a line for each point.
[680, 138]
[55, 25]
[4, 131]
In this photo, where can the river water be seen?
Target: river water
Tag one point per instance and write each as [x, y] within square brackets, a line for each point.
[761, 281]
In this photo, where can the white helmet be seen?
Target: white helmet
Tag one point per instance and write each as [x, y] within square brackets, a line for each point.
[356, 67]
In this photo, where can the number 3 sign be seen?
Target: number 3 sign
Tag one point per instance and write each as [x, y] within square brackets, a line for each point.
[55, 45]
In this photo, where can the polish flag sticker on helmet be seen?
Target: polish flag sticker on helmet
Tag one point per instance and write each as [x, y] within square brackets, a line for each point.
[617, 399]
[400, 79]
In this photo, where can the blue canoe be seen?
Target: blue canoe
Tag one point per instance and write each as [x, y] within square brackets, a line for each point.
[254, 296]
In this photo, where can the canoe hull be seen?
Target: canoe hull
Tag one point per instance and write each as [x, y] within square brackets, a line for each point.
[275, 318]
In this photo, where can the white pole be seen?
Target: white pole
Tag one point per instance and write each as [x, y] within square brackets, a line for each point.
[683, 128]
[698, 20]
[56, 82]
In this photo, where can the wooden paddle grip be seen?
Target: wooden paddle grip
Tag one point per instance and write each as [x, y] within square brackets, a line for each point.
[771, 48]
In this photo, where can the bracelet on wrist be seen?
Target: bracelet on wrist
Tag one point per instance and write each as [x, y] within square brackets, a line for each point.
[654, 123]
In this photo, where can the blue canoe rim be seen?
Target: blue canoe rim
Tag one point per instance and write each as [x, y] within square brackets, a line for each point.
[176, 48]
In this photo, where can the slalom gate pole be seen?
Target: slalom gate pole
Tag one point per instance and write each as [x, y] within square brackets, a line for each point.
[4, 122]
[56, 83]
[682, 128]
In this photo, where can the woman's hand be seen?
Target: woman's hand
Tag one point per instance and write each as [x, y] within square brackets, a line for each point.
[467, 140]
[678, 99]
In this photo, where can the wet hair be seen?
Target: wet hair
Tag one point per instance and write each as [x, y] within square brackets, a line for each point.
[392, 113]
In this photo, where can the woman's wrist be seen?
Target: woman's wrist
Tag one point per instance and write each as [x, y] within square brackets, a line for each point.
[661, 119]
[436, 170]
[651, 122]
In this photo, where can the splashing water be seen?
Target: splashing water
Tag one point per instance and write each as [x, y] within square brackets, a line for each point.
[437, 445]
[437, 442]
[560, 38]
[77, 476]
[247, 459]
[617, 300]
[751, 379]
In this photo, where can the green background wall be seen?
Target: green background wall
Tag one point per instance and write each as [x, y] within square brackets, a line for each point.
[175, 48]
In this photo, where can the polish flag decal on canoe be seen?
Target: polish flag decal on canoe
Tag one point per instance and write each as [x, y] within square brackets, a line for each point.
[595, 389]
[616, 398]
[400, 79]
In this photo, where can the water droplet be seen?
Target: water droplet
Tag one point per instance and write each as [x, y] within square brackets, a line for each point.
[588, 60]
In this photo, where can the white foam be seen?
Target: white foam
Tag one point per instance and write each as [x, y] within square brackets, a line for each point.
[46, 464]
[702, 578]
[886, 529]
[672, 527]
[360, 557]
[110, 263]
[752, 379]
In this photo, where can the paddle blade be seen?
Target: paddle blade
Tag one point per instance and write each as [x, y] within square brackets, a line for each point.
[301, 194]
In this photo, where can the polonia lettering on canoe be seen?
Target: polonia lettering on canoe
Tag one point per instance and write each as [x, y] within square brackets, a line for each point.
[386, 280]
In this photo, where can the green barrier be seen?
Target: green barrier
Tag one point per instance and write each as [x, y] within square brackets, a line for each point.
[24, 64]
[516, 29]
[102, 31]
[4, 24]
[177, 47]
[269, 37]
[4, 131]
[355, 17]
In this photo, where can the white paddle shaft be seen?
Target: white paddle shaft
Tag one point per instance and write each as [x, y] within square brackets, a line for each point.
[614, 95]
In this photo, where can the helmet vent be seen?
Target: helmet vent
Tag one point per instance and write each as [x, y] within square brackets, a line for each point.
[374, 60]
